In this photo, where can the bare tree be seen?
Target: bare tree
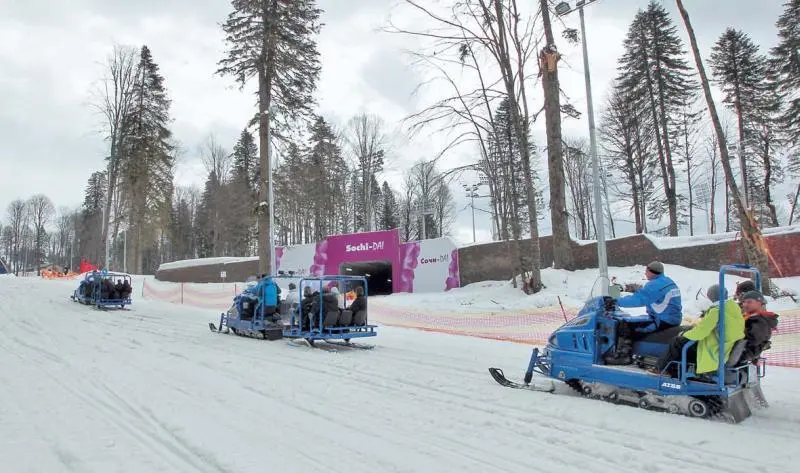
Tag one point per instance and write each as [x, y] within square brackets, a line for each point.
[577, 166]
[17, 214]
[548, 69]
[41, 210]
[367, 142]
[471, 30]
[114, 100]
[752, 239]
[216, 158]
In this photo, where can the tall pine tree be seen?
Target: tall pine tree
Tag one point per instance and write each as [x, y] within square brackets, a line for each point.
[655, 74]
[741, 71]
[274, 41]
[242, 195]
[148, 164]
[785, 65]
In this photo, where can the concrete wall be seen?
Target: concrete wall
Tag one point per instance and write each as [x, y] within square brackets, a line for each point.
[239, 271]
[494, 261]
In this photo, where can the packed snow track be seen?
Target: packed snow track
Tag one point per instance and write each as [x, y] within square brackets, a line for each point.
[152, 390]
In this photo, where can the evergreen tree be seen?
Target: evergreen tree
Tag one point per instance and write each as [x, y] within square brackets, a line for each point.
[245, 160]
[242, 195]
[148, 160]
[390, 213]
[91, 218]
[785, 66]
[273, 40]
[327, 174]
[205, 225]
[655, 75]
[741, 71]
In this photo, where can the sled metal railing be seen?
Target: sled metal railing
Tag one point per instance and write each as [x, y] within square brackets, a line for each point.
[321, 280]
[728, 268]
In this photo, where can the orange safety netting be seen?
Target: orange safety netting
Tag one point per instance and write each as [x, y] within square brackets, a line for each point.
[530, 326]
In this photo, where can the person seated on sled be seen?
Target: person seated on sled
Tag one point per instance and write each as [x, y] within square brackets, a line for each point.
[330, 303]
[705, 353]
[107, 289]
[292, 298]
[360, 302]
[660, 296]
[127, 290]
[742, 288]
[306, 306]
[759, 323]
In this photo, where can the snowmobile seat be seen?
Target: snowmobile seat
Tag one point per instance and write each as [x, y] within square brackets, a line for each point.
[736, 353]
[360, 318]
[247, 307]
[284, 308]
[346, 318]
[331, 318]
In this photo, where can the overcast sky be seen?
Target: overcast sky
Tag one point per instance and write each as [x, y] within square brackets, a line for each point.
[52, 54]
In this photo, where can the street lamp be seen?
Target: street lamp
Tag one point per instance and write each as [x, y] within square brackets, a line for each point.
[562, 9]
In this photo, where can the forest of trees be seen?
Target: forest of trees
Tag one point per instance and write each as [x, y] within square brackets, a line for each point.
[663, 165]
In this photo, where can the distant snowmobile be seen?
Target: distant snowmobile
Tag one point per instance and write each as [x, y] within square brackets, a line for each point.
[104, 290]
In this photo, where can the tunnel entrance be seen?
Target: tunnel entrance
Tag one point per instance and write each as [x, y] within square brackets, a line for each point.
[378, 274]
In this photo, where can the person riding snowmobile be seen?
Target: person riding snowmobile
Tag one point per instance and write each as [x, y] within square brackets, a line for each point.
[660, 296]
[705, 353]
[759, 323]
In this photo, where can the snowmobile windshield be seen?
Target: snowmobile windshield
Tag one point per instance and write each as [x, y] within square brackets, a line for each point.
[251, 281]
[597, 290]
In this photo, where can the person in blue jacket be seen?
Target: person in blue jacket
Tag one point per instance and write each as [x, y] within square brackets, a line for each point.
[660, 296]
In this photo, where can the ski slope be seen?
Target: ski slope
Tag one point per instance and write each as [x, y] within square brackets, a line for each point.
[152, 390]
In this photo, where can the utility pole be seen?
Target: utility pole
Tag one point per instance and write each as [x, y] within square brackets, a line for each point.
[562, 9]
[271, 245]
[125, 251]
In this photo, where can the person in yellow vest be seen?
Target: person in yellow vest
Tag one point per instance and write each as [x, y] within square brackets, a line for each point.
[705, 353]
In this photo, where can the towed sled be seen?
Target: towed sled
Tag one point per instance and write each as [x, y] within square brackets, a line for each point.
[319, 318]
[578, 354]
[104, 290]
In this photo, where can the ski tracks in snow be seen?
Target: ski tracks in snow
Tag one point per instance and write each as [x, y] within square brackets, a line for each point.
[151, 389]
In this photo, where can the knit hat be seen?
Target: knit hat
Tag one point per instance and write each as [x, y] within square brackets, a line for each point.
[745, 286]
[754, 295]
[656, 267]
[714, 295]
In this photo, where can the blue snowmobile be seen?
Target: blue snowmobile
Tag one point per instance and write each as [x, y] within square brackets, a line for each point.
[259, 313]
[254, 313]
[104, 290]
[575, 354]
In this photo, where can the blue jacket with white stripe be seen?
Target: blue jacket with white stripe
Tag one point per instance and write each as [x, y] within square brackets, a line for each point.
[662, 298]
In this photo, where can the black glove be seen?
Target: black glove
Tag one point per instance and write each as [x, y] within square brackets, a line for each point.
[609, 303]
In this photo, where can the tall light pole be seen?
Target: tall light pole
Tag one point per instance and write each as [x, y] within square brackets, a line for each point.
[271, 247]
[472, 193]
[562, 9]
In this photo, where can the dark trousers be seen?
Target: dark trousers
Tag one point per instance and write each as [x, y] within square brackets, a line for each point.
[674, 352]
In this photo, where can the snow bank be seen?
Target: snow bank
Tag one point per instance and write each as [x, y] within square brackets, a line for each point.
[188, 263]
[666, 243]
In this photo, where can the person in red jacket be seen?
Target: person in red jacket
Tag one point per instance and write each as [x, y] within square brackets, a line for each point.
[759, 323]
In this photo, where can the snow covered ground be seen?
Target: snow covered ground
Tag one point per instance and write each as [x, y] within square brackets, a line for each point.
[152, 390]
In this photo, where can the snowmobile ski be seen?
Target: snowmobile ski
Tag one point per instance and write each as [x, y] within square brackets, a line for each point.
[501, 379]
